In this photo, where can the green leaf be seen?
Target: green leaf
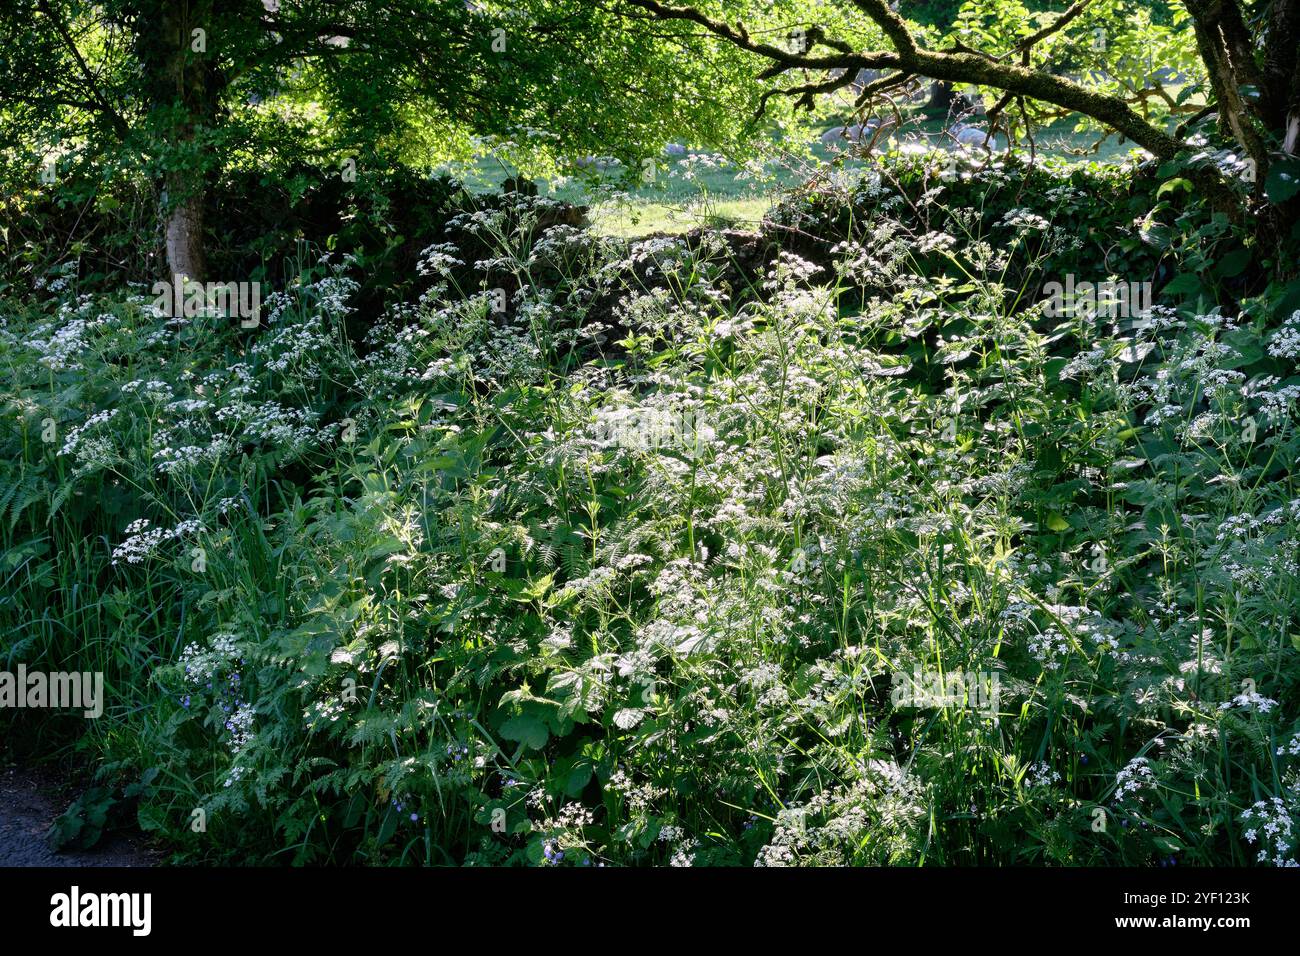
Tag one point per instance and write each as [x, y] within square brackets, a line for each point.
[1234, 263]
[150, 817]
[1283, 180]
[1173, 186]
[527, 730]
[388, 826]
[1185, 283]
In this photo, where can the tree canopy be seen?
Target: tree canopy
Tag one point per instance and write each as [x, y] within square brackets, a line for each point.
[179, 92]
[1106, 61]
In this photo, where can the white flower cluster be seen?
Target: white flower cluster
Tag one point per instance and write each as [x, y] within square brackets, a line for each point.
[75, 443]
[202, 663]
[1085, 365]
[788, 271]
[1285, 342]
[59, 344]
[142, 540]
[1134, 779]
[1250, 700]
[1276, 401]
[1270, 824]
[439, 259]
[871, 820]
[1040, 774]
[1025, 220]
[240, 727]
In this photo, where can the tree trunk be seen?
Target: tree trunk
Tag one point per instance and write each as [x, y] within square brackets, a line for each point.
[173, 46]
[183, 230]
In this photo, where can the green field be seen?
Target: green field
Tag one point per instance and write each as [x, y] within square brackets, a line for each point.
[687, 193]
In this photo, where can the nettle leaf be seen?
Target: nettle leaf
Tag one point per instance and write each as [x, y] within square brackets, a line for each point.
[1158, 235]
[526, 729]
[1185, 284]
[1136, 352]
[1247, 349]
[1141, 492]
[628, 717]
[150, 817]
[533, 589]
[1234, 263]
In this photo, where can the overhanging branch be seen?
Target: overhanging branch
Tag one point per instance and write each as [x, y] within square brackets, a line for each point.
[954, 67]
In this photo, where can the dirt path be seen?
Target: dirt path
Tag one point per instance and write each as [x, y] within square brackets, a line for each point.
[29, 802]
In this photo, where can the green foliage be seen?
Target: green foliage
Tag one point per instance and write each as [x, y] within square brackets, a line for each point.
[376, 84]
[639, 571]
[82, 824]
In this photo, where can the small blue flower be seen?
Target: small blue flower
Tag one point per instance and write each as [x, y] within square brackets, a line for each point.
[552, 852]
